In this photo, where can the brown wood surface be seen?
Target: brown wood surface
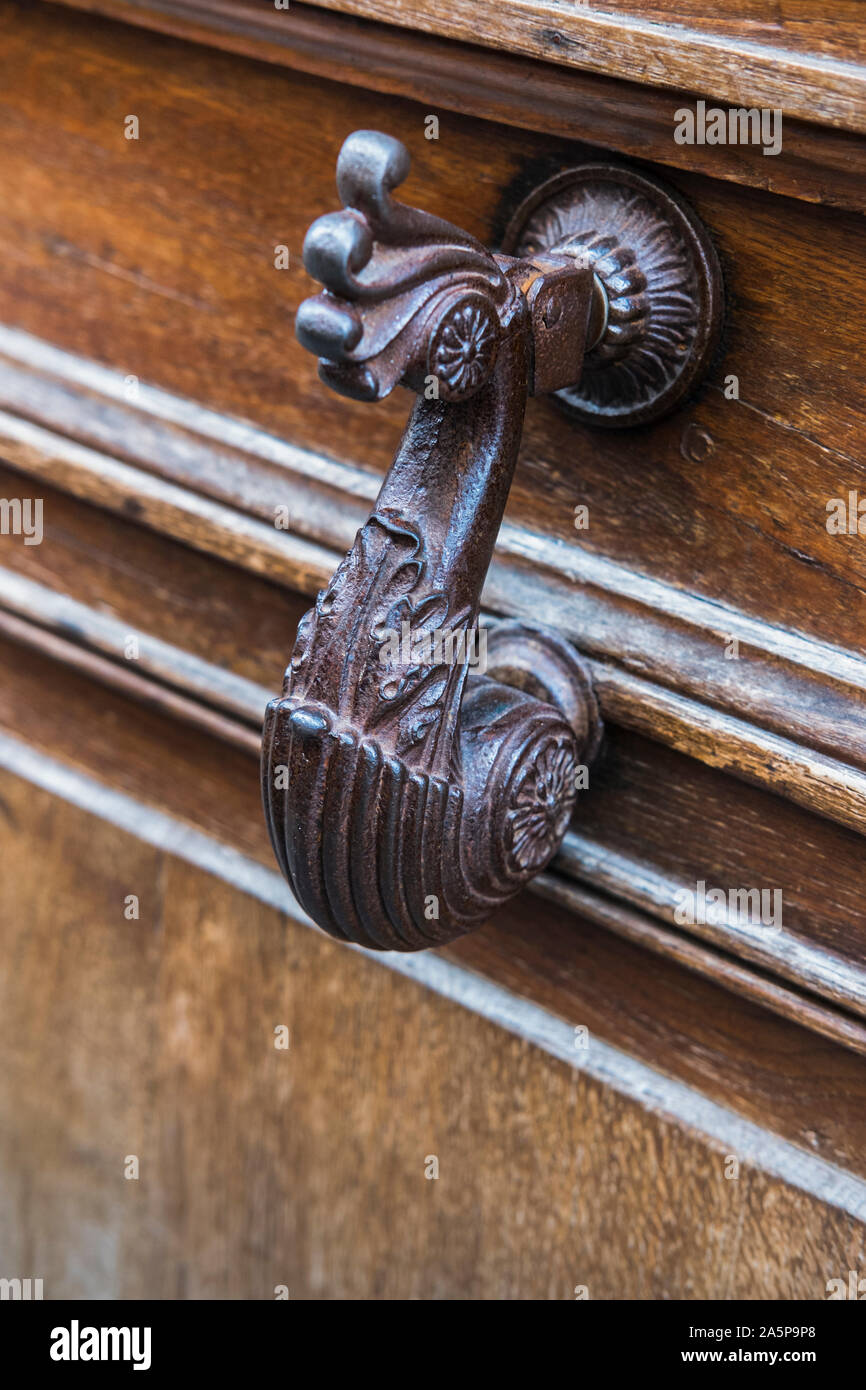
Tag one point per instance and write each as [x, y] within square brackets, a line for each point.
[818, 77]
[157, 588]
[230, 708]
[787, 716]
[654, 821]
[157, 256]
[818, 163]
[801, 694]
[573, 962]
[305, 1167]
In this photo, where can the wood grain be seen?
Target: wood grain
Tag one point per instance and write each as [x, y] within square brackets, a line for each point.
[118, 281]
[160, 672]
[807, 1089]
[652, 824]
[788, 714]
[154, 1037]
[818, 78]
[818, 163]
[647, 932]
[260, 1167]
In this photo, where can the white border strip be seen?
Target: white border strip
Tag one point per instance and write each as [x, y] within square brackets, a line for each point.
[665, 1096]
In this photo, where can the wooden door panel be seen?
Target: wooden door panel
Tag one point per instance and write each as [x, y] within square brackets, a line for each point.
[187, 283]
[257, 1167]
[587, 1067]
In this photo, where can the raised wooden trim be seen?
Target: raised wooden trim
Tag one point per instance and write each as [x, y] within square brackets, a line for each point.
[620, 894]
[626, 44]
[639, 884]
[792, 722]
[537, 1026]
[781, 1075]
[812, 86]
[818, 163]
[647, 932]
[127, 682]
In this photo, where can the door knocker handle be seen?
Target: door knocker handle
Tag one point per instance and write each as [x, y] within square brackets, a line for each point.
[407, 793]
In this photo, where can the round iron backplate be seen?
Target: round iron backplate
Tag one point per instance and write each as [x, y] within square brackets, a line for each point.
[661, 279]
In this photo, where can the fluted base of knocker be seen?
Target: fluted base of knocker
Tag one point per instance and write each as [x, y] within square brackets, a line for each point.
[387, 856]
[362, 839]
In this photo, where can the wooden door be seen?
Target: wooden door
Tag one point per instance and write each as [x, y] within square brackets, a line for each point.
[596, 1094]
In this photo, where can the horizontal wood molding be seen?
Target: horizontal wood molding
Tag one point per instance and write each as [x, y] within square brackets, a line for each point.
[809, 72]
[584, 969]
[196, 965]
[788, 715]
[781, 951]
[727, 497]
[630, 898]
[818, 163]
[653, 51]
[650, 934]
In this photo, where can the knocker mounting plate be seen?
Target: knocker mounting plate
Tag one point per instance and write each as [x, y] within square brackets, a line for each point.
[661, 280]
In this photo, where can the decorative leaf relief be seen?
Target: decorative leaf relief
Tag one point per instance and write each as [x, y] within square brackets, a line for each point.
[351, 653]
